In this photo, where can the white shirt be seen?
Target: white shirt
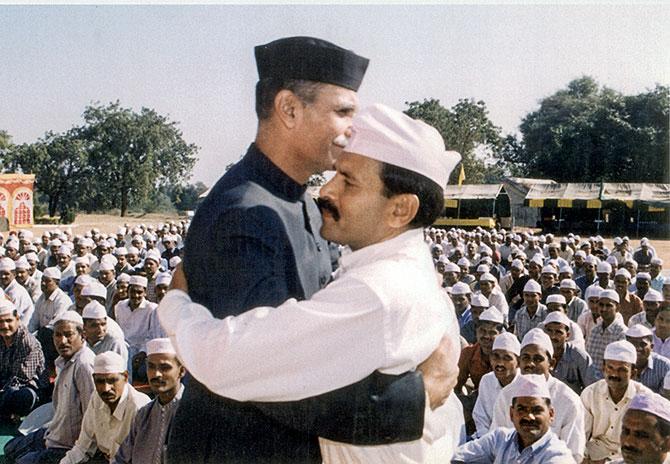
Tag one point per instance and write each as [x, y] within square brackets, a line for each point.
[101, 429]
[384, 311]
[603, 418]
[22, 300]
[568, 420]
[489, 388]
[139, 325]
[49, 308]
[497, 299]
[661, 347]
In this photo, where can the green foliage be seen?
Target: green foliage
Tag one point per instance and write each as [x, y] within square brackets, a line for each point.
[467, 129]
[585, 133]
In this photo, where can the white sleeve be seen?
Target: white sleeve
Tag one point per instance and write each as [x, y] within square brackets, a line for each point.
[480, 414]
[297, 350]
[501, 416]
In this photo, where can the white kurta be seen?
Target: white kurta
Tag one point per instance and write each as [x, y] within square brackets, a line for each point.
[489, 388]
[568, 421]
[384, 311]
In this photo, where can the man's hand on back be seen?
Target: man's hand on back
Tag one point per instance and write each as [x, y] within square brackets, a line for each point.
[440, 371]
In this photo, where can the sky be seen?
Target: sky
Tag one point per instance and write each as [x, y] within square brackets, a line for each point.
[195, 63]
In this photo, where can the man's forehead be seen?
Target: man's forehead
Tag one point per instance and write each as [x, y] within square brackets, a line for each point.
[356, 165]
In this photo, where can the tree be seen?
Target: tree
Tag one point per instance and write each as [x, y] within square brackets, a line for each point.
[59, 163]
[133, 154]
[585, 133]
[467, 129]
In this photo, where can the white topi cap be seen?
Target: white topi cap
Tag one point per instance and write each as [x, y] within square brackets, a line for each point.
[94, 310]
[109, 362]
[492, 315]
[638, 331]
[532, 287]
[52, 273]
[560, 299]
[392, 137]
[160, 346]
[460, 288]
[164, 278]
[138, 280]
[557, 316]
[508, 342]
[537, 337]
[7, 264]
[534, 385]
[70, 316]
[6, 306]
[621, 351]
[610, 294]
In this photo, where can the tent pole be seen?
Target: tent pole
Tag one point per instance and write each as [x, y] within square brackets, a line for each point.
[637, 225]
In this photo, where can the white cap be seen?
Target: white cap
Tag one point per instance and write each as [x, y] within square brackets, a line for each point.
[65, 250]
[517, 264]
[644, 241]
[479, 299]
[593, 291]
[70, 316]
[565, 269]
[618, 241]
[580, 253]
[52, 273]
[621, 351]
[133, 250]
[460, 288]
[121, 251]
[653, 296]
[160, 346]
[557, 316]
[175, 260]
[652, 403]
[164, 278]
[21, 263]
[507, 341]
[94, 310]
[611, 259]
[533, 385]
[109, 362]
[123, 277]
[492, 315]
[6, 306]
[388, 135]
[537, 337]
[105, 265]
[82, 260]
[450, 267]
[94, 288]
[138, 280]
[82, 280]
[31, 257]
[623, 272]
[532, 287]
[638, 331]
[568, 283]
[7, 264]
[610, 294]
[548, 269]
[487, 277]
[603, 267]
[12, 243]
[643, 276]
[556, 299]
[657, 261]
[464, 262]
[154, 255]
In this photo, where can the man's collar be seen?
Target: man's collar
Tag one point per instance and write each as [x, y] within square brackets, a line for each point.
[409, 242]
[268, 174]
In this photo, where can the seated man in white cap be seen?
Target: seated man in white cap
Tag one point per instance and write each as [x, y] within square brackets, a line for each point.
[536, 358]
[549, 282]
[571, 363]
[651, 368]
[152, 261]
[645, 431]
[576, 305]
[162, 285]
[532, 313]
[608, 329]
[474, 361]
[29, 282]
[79, 283]
[96, 331]
[461, 295]
[661, 331]
[488, 285]
[15, 291]
[652, 305]
[505, 364]
[138, 319]
[557, 303]
[532, 439]
[109, 414]
[606, 401]
[478, 304]
[95, 291]
[22, 371]
[53, 301]
[107, 277]
[148, 435]
[383, 311]
[72, 392]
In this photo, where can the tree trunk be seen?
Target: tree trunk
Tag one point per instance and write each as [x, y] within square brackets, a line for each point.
[53, 204]
[124, 203]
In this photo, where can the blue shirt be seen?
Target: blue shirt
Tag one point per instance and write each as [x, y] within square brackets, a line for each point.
[501, 446]
[652, 376]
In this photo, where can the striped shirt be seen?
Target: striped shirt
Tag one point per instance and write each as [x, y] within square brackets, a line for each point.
[653, 374]
[599, 339]
[523, 322]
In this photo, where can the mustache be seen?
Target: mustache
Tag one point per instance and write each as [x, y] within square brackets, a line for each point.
[614, 378]
[528, 422]
[326, 205]
[630, 449]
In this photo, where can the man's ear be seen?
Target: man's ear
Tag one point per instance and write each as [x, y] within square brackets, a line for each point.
[403, 210]
[288, 108]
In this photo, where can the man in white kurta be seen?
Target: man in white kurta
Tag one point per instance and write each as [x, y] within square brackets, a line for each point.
[569, 419]
[383, 311]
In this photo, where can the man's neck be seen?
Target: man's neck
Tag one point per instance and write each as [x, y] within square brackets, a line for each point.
[165, 397]
[9, 340]
[272, 145]
[617, 395]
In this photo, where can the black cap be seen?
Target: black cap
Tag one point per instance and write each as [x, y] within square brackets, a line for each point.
[312, 59]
